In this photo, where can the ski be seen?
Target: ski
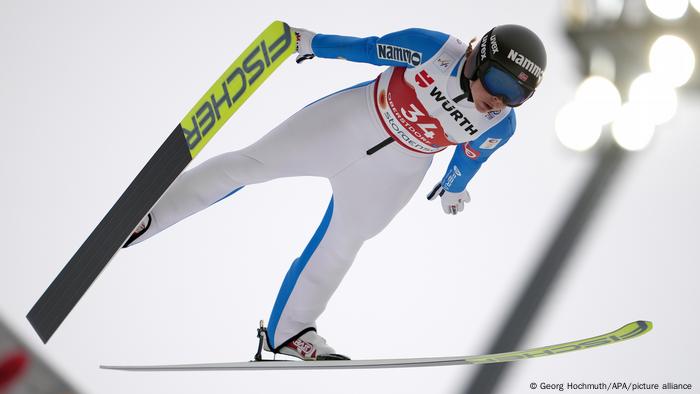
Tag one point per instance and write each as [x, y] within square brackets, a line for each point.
[629, 331]
[226, 95]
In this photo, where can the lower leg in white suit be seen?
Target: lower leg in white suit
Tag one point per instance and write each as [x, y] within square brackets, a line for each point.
[366, 197]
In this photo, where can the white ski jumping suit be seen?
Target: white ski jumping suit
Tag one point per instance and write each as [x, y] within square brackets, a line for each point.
[411, 102]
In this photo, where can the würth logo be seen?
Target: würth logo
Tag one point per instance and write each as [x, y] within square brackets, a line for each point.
[399, 54]
[423, 79]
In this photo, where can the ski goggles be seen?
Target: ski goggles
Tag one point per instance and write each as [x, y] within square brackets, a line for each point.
[498, 82]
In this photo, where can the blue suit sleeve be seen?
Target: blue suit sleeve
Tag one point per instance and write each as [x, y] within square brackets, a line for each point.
[469, 156]
[405, 48]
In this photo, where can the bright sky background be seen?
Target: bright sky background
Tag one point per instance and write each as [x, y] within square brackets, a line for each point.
[89, 90]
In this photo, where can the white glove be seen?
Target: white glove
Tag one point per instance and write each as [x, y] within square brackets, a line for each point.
[452, 203]
[304, 38]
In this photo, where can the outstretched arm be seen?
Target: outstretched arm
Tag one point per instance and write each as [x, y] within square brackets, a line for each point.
[405, 48]
[466, 162]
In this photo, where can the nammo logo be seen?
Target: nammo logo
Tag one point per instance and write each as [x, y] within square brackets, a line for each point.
[525, 63]
[232, 87]
[399, 54]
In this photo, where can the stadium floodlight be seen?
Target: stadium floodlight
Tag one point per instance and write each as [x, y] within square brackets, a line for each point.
[654, 97]
[632, 130]
[575, 129]
[667, 9]
[610, 10]
[600, 99]
[695, 4]
[672, 59]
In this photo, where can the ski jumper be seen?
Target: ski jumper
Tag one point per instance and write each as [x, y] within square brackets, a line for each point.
[411, 104]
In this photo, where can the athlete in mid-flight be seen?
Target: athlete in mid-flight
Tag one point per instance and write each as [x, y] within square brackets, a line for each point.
[374, 142]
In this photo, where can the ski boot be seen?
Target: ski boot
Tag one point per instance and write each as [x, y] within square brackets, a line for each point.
[307, 346]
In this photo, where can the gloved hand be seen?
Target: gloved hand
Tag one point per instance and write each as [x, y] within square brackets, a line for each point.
[304, 38]
[452, 203]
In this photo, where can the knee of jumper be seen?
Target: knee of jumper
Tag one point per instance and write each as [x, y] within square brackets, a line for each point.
[363, 228]
[251, 171]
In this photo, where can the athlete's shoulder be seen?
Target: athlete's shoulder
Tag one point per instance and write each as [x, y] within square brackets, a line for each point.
[496, 136]
[509, 120]
[504, 123]
[425, 36]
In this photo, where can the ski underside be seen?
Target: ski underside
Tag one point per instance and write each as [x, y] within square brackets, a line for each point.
[628, 331]
[240, 80]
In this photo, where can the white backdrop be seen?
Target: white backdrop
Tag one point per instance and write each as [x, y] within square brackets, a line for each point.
[89, 90]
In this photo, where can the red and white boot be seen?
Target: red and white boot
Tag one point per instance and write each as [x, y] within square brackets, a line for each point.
[307, 346]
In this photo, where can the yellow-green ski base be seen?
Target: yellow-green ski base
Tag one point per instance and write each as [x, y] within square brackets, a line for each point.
[236, 84]
[217, 105]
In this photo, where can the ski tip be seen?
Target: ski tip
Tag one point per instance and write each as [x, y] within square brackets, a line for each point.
[43, 333]
[633, 329]
[279, 22]
[644, 325]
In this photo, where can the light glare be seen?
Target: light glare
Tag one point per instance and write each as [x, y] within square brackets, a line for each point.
[667, 9]
[574, 129]
[610, 9]
[654, 97]
[632, 130]
[673, 59]
[695, 4]
[600, 99]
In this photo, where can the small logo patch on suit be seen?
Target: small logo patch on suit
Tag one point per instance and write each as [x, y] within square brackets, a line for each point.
[399, 54]
[471, 152]
[490, 143]
[491, 114]
[443, 62]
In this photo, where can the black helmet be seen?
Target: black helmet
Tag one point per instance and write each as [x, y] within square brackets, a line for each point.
[510, 61]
